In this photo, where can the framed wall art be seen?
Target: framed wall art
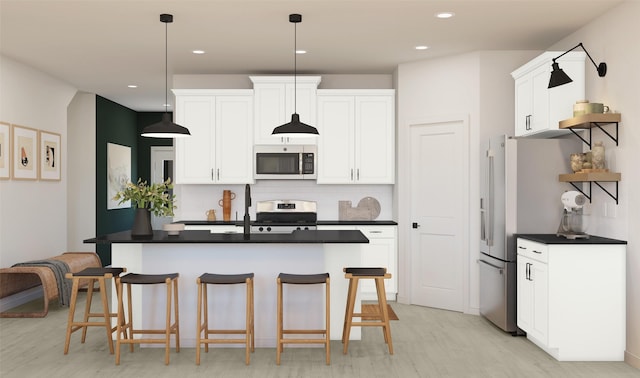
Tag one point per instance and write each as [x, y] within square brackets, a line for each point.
[24, 150]
[50, 156]
[5, 150]
[118, 173]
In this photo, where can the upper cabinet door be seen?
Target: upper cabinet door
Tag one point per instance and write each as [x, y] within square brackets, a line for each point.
[195, 155]
[234, 139]
[336, 142]
[375, 135]
[274, 104]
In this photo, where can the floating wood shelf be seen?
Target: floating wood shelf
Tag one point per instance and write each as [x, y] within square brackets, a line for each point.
[590, 176]
[588, 121]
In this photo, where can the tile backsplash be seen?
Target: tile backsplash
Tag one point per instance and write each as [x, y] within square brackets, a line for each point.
[194, 200]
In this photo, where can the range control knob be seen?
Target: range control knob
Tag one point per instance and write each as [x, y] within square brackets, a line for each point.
[298, 228]
[269, 229]
[260, 228]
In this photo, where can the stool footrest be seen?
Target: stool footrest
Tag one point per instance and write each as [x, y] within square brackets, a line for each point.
[225, 331]
[304, 331]
[223, 341]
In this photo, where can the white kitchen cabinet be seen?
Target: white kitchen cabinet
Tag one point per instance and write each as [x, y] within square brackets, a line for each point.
[381, 251]
[275, 100]
[571, 297]
[538, 109]
[220, 148]
[356, 144]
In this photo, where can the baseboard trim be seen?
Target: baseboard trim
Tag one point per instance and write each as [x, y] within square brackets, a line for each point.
[20, 298]
[632, 359]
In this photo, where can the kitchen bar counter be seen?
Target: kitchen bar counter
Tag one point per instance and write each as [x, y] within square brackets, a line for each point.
[203, 236]
[192, 253]
[553, 239]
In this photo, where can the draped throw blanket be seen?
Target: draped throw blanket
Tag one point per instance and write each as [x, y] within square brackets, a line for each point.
[59, 269]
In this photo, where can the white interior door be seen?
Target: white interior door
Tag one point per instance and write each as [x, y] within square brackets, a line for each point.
[161, 169]
[440, 213]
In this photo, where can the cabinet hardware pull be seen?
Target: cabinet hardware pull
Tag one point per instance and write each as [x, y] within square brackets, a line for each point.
[218, 174]
[358, 174]
[351, 174]
[521, 247]
[538, 252]
[211, 174]
[375, 232]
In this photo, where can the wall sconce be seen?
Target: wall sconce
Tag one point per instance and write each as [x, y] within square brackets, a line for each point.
[559, 77]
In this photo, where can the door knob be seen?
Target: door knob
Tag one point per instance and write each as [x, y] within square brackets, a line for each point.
[415, 225]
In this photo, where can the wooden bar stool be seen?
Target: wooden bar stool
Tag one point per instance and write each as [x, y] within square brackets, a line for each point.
[380, 317]
[125, 330]
[203, 314]
[92, 275]
[303, 279]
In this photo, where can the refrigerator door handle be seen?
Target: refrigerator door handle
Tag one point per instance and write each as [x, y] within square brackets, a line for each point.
[491, 199]
[500, 270]
[483, 215]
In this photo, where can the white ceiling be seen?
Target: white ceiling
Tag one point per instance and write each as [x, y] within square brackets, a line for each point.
[101, 46]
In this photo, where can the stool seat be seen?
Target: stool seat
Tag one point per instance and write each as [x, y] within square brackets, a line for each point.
[125, 328]
[224, 279]
[147, 279]
[92, 275]
[303, 279]
[366, 271]
[88, 272]
[204, 330]
[378, 319]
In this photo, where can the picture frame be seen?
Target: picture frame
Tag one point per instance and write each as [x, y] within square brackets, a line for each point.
[5, 150]
[24, 152]
[50, 156]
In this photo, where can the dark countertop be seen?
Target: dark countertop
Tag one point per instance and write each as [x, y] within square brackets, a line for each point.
[204, 236]
[320, 222]
[553, 239]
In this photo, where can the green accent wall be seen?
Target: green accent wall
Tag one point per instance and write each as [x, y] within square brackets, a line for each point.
[120, 125]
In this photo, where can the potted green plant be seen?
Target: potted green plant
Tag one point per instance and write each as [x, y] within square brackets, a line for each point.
[147, 199]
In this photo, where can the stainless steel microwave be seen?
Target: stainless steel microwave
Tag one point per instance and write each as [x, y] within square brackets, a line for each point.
[285, 162]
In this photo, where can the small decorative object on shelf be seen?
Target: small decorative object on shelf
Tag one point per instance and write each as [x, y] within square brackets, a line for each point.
[597, 155]
[577, 162]
[155, 198]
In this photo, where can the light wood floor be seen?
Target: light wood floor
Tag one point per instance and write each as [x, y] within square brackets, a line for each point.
[427, 343]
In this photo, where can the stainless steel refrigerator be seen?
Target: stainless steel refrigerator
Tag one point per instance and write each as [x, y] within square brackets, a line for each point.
[519, 193]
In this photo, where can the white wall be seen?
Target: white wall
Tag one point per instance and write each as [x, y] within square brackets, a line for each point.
[81, 178]
[612, 38]
[33, 213]
[478, 85]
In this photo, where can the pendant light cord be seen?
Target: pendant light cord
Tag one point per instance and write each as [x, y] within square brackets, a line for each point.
[295, 68]
[166, 68]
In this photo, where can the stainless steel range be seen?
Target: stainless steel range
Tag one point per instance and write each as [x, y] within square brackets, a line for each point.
[285, 216]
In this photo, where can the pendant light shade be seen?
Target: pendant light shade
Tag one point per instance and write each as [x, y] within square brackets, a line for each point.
[165, 128]
[295, 127]
[559, 77]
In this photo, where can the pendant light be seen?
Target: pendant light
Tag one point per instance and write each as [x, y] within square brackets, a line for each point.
[165, 128]
[559, 77]
[295, 127]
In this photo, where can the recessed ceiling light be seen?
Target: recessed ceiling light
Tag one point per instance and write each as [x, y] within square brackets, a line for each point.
[445, 14]
[132, 86]
[301, 51]
[198, 52]
[422, 47]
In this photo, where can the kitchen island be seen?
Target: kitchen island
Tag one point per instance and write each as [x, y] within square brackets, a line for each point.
[192, 253]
